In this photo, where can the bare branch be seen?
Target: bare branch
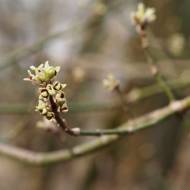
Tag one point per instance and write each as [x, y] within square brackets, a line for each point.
[143, 122]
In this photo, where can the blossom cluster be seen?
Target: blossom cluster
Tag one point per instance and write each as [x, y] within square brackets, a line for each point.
[142, 17]
[43, 75]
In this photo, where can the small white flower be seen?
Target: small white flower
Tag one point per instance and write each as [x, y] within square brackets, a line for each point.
[143, 16]
[110, 82]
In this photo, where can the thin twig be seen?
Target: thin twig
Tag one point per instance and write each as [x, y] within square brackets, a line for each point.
[143, 122]
[61, 122]
[158, 76]
[124, 102]
[121, 98]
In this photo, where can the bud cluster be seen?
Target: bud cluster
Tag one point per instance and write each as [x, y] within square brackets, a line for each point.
[142, 17]
[43, 76]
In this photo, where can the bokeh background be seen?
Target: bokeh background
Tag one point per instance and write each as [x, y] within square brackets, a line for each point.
[89, 39]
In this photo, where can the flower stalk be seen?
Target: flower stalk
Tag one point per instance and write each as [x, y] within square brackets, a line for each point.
[142, 19]
[61, 122]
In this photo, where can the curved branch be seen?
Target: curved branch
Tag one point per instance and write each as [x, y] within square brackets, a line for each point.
[135, 125]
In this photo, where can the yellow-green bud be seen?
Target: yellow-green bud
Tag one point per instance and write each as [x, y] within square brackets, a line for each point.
[42, 73]
[49, 115]
[41, 107]
[57, 86]
[60, 98]
[44, 93]
[50, 89]
[50, 73]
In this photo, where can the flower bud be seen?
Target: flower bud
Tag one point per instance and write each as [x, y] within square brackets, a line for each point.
[44, 93]
[42, 107]
[50, 89]
[42, 73]
[49, 115]
[142, 17]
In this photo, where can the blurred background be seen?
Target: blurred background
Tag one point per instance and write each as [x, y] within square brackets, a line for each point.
[90, 39]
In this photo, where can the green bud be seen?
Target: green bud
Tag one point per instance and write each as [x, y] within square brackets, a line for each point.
[41, 77]
[50, 89]
[42, 73]
[60, 98]
[49, 115]
[50, 73]
[44, 93]
[57, 85]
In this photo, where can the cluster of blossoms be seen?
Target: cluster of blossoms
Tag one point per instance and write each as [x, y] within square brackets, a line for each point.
[142, 17]
[43, 76]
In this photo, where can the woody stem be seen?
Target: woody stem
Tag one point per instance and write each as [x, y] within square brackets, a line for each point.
[62, 122]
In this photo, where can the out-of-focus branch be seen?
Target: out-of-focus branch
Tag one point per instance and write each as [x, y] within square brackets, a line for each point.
[83, 107]
[151, 90]
[142, 18]
[21, 53]
[132, 126]
[158, 76]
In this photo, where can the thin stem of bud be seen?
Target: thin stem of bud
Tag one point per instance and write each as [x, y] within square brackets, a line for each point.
[62, 122]
[121, 96]
[156, 73]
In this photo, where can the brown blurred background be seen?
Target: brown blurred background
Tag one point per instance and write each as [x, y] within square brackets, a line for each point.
[89, 39]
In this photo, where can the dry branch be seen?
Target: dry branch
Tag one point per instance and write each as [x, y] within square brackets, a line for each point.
[127, 128]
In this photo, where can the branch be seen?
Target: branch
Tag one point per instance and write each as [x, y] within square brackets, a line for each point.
[158, 76]
[130, 127]
[133, 96]
[60, 121]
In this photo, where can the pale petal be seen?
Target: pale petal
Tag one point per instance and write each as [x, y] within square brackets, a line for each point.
[33, 67]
